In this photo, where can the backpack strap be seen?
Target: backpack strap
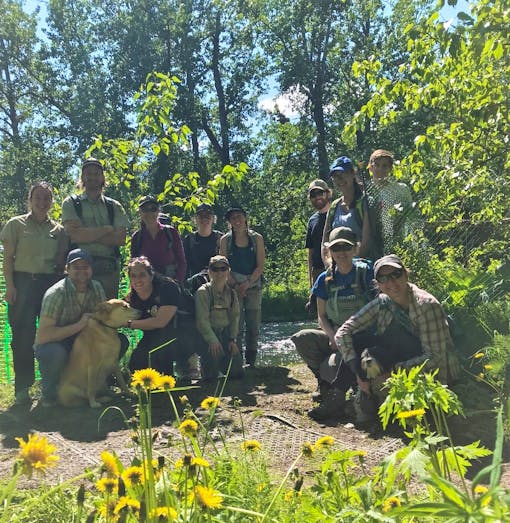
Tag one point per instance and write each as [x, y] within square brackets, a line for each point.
[77, 205]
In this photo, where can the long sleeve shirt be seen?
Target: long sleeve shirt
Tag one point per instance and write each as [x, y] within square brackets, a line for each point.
[215, 311]
[427, 318]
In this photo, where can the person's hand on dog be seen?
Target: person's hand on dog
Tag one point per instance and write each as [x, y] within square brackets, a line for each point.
[84, 320]
[363, 385]
[333, 344]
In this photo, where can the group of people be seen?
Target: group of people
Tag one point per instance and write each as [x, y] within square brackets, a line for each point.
[58, 273]
[369, 314]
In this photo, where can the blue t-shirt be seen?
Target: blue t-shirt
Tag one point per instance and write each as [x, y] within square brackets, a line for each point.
[346, 281]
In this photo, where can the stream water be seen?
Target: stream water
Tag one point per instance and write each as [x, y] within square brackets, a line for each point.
[275, 347]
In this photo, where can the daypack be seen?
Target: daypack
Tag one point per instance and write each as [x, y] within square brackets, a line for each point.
[358, 212]
[111, 216]
[252, 243]
[360, 278]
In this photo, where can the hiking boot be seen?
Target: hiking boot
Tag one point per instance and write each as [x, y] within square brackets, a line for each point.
[365, 407]
[331, 406]
[22, 397]
[323, 387]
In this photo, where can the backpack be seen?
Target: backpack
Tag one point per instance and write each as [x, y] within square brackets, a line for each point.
[109, 208]
[252, 243]
[360, 280]
[358, 212]
[136, 240]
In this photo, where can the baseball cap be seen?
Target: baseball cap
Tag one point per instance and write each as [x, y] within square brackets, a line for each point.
[341, 164]
[147, 199]
[341, 235]
[390, 260]
[232, 210]
[218, 259]
[78, 254]
[381, 153]
[318, 184]
[204, 208]
[91, 161]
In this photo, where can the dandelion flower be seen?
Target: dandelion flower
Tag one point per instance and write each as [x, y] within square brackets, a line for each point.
[163, 514]
[147, 379]
[199, 462]
[488, 366]
[480, 376]
[107, 485]
[208, 497]
[480, 489]
[133, 476]
[166, 382]
[251, 445]
[390, 503]
[184, 399]
[107, 509]
[36, 454]
[210, 403]
[127, 503]
[479, 355]
[261, 487]
[288, 495]
[411, 413]
[189, 428]
[307, 449]
[325, 441]
[109, 464]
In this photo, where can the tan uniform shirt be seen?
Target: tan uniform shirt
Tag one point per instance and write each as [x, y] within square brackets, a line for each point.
[216, 311]
[37, 246]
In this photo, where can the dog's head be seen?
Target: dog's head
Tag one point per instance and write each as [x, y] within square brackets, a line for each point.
[370, 365]
[115, 313]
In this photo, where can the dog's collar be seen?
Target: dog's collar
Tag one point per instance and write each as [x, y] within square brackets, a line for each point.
[105, 324]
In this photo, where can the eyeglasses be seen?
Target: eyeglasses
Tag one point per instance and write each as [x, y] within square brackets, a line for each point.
[395, 275]
[149, 208]
[222, 268]
[341, 247]
[316, 193]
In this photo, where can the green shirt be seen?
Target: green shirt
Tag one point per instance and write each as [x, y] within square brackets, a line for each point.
[95, 214]
[61, 301]
[36, 245]
[216, 311]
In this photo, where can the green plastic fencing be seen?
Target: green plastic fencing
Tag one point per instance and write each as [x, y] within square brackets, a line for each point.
[6, 370]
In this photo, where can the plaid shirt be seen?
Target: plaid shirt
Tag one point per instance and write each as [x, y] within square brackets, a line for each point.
[426, 316]
[61, 303]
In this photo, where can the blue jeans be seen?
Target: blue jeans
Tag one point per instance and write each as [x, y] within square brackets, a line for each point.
[53, 357]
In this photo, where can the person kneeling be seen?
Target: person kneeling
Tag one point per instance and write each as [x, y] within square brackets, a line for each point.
[217, 319]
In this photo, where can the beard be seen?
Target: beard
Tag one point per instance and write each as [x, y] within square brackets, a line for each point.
[320, 203]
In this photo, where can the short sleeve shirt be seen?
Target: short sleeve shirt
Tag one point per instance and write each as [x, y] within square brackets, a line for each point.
[35, 244]
[61, 302]
[313, 240]
[95, 214]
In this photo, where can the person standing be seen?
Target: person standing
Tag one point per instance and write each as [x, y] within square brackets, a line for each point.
[34, 253]
[246, 254]
[64, 313]
[319, 195]
[160, 243]
[391, 200]
[204, 243]
[217, 317]
[98, 224]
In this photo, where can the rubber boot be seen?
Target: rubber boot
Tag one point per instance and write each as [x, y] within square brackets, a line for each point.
[331, 406]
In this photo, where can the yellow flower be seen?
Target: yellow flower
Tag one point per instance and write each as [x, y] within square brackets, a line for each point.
[208, 497]
[325, 441]
[192, 462]
[36, 454]
[163, 514]
[189, 428]
[480, 376]
[411, 414]
[126, 503]
[107, 485]
[184, 399]
[133, 476]
[251, 445]
[307, 449]
[288, 495]
[145, 378]
[390, 503]
[479, 355]
[261, 487]
[107, 509]
[210, 403]
[199, 462]
[480, 489]
[109, 464]
[488, 366]
[166, 382]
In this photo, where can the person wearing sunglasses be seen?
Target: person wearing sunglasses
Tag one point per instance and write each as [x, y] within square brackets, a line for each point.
[319, 195]
[409, 328]
[341, 291]
[217, 318]
[159, 242]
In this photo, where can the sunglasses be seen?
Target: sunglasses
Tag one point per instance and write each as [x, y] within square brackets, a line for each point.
[149, 208]
[395, 275]
[316, 193]
[222, 268]
[341, 247]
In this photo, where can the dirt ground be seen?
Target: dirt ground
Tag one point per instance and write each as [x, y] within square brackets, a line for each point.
[274, 402]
